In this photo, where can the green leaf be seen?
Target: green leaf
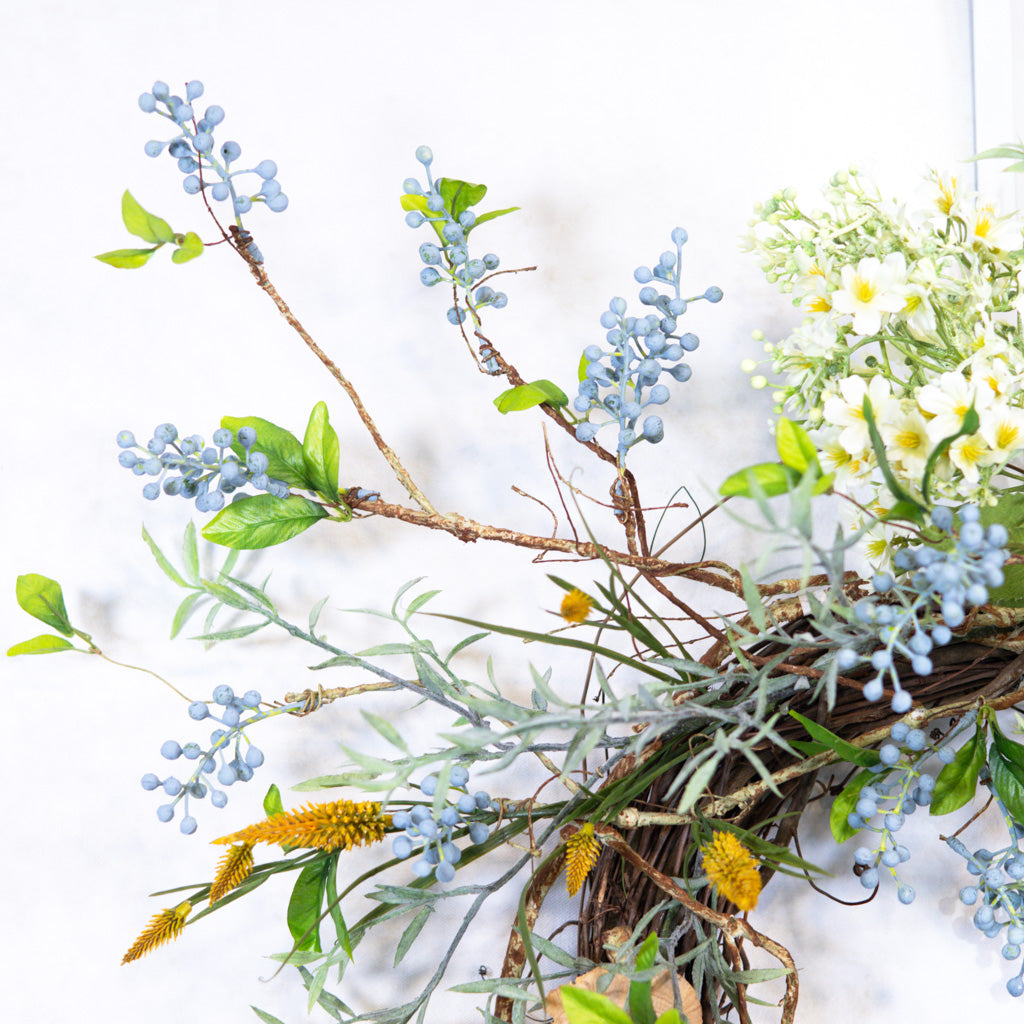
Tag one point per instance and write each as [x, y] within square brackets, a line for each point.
[272, 802]
[490, 215]
[267, 1018]
[190, 552]
[844, 804]
[47, 643]
[304, 906]
[795, 447]
[999, 153]
[126, 259]
[883, 463]
[1008, 782]
[771, 477]
[753, 598]
[189, 247]
[669, 1017]
[321, 453]
[1009, 749]
[386, 729]
[281, 447]
[956, 783]
[526, 396]
[334, 908]
[410, 933]
[161, 560]
[859, 756]
[145, 225]
[43, 599]
[969, 425]
[262, 521]
[641, 1006]
[459, 196]
[585, 1007]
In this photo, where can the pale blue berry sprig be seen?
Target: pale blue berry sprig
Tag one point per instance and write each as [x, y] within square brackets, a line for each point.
[883, 806]
[450, 262]
[912, 613]
[199, 159]
[235, 714]
[621, 377]
[191, 469]
[431, 834]
[998, 894]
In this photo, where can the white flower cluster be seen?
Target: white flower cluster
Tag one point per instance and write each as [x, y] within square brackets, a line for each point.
[915, 307]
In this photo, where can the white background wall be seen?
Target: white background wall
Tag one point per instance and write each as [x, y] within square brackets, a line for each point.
[609, 123]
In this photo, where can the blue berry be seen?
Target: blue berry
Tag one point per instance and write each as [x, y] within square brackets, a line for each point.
[171, 749]
[188, 825]
[150, 781]
[165, 812]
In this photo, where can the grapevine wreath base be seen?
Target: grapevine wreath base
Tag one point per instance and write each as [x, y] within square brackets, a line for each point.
[634, 871]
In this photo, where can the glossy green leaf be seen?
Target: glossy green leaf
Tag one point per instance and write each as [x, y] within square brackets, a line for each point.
[795, 447]
[1010, 749]
[272, 802]
[304, 905]
[771, 477]
[189, 247]
[126, 259]
[47, 643]
[641, 1005]
[584, 1007]
[844, 804]
[1008, 782]
[282, 448]
[670, 1017]
[957, 782]
[140, 222]
[859, 756]
[262, 521]
[435, 220]
[459, 196]
[43, 599]
[526, 396]
[321, 453]
[491, 214]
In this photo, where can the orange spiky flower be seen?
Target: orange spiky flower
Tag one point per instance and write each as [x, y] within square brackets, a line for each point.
[733, 869]
[232, 870]
[339, 824]
[162, 928]
[576, 606]
[581, 853]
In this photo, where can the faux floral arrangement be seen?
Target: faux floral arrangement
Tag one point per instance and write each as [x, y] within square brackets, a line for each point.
[672, 799]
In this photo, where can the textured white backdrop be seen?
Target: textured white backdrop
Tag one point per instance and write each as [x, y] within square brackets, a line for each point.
[608, 123]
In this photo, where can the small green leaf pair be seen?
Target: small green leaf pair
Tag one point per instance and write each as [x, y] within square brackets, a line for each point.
[150, 228]
[458, 197]
[43, 599]
[263, 520]
[526, 396]
[799, 457]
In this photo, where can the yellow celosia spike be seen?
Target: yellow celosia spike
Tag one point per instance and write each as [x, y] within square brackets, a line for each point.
[733, 869]
[576, 606]
[232, 871]
[581, 853]
[339, 824]
[162, 928]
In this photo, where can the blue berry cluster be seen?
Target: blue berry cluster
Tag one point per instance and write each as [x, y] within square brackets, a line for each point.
[450, 262]
[186, 466]
[902, 614]
[197, 156]
[432, 835]
[998, 895]
[902, 787]
[235, 714]
[621, 379]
